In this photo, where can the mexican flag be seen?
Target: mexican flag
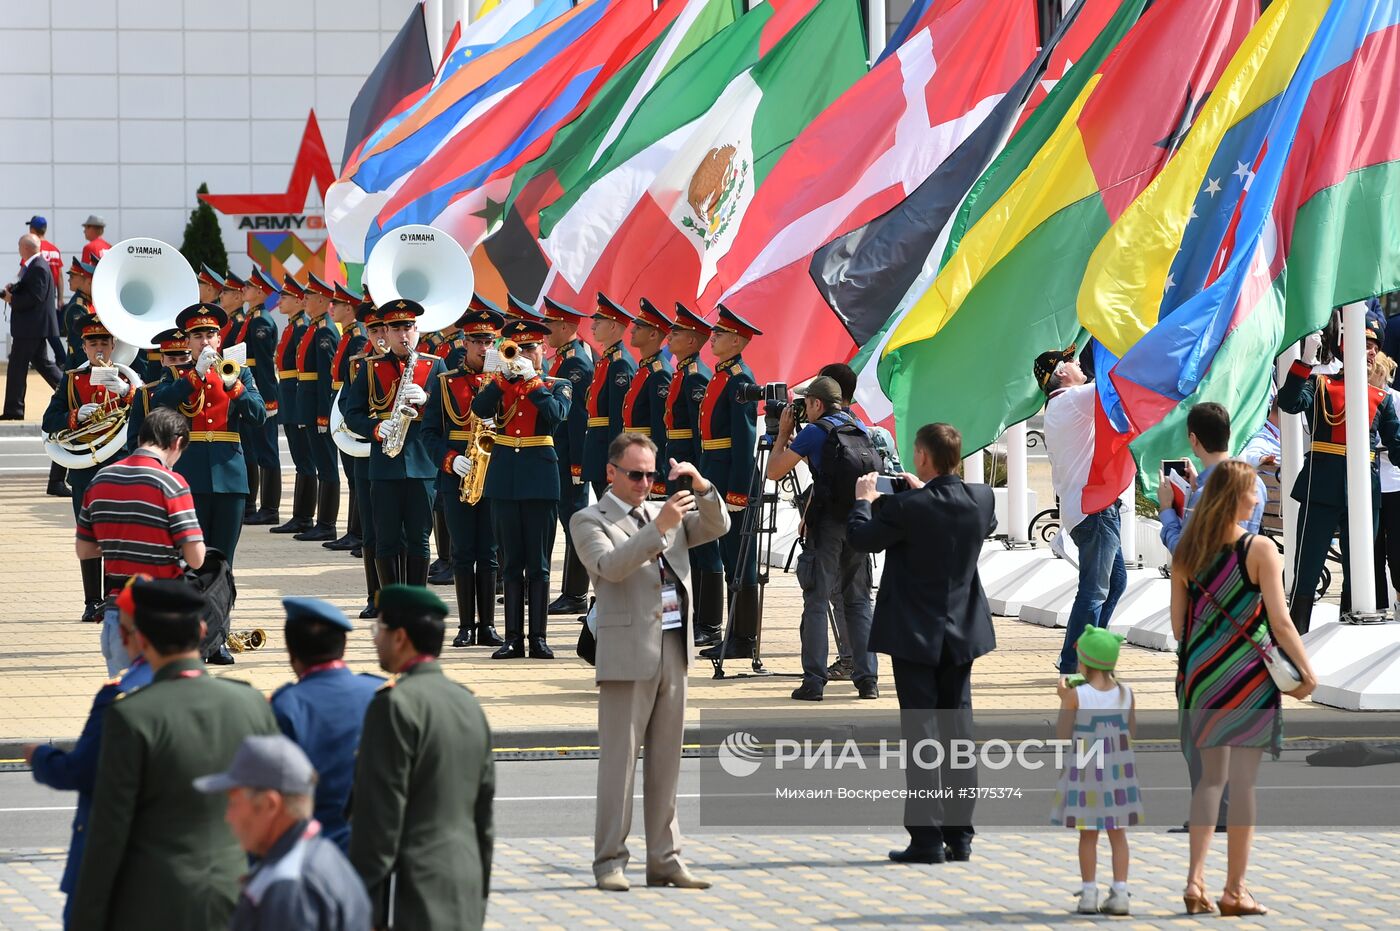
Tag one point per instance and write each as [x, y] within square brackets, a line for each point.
[653, 215]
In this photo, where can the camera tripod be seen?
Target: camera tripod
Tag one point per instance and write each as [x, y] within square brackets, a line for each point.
[757, 528]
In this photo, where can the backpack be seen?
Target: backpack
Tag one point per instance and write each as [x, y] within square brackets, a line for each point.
[215, 580]
[847, 454]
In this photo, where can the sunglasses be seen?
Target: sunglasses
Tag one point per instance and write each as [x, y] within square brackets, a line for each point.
[636, 475]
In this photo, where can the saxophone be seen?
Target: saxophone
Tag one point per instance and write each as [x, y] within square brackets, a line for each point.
[481, 438]
[394, 431]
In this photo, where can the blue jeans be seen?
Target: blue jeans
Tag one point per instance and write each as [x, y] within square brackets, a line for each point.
[1102, 579]
[112, 650]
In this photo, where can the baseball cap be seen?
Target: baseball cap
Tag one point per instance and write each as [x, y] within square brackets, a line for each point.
[264, 762]
[822, 388]
[38, 222]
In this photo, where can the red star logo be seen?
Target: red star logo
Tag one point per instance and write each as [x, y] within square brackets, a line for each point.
[312, 164]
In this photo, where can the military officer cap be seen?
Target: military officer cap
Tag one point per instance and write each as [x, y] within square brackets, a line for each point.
[520, 310]
[201, 317]
[1047, 363]
[209, 276]
[730, 322]
[315, 285]
[367, 313]
[399, 603]
[264, 761]
[401, 311]
[649, 315]
[481, 320]
[342, 296]
[171, 340]
[82, 268]
[89, 327]
[687, 319]
[525, 332]
[233, 282]
[553, 310]
[261, 279]
[608, 309]
[480, 303]
[306, 610]
[166, 599]
[292, 287]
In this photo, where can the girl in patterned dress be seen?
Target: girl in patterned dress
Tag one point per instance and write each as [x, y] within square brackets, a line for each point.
[1223, 579]
[1098, 713]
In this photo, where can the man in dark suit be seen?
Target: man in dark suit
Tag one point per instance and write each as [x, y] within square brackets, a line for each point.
[932, 618]
[33, 319]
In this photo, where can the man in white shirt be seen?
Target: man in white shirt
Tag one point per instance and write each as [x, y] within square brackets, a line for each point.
[1069, 440]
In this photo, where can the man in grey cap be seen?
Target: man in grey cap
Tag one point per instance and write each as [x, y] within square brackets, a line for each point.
[96, 247]
[301, 880]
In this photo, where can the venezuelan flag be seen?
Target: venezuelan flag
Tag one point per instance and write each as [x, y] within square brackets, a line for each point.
[1295, 209]
[1009, 286]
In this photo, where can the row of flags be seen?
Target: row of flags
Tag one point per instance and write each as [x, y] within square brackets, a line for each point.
[1188, 186]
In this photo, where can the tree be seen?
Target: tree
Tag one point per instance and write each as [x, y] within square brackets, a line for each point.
[204, 242]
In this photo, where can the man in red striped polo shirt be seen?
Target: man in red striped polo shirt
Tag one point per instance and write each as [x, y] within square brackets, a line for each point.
[139, 517]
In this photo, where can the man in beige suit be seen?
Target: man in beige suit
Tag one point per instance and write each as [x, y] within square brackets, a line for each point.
[635, 551]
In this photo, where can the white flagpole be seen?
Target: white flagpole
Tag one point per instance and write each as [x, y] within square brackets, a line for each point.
[1361, 572]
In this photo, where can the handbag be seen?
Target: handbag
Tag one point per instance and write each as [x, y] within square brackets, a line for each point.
[1281, 669]
[587, 648]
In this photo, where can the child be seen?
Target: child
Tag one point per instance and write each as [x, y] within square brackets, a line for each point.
[1095, 708]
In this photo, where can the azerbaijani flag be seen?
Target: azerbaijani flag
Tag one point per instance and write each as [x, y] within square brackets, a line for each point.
[1021, 243]
[1285, 203]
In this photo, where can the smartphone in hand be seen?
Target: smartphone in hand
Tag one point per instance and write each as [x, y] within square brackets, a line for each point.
[685, 483]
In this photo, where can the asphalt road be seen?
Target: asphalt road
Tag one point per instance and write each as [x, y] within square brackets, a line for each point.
[555, 798]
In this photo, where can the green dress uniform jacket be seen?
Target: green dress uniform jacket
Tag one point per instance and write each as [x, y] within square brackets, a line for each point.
[729, 432]
[78, 307]
[159, 854]
[287, 367]
[644, 408]
[524, 465]
[213, 464]
[575, 364]
[316, 372]
[73, 391]
[420, 811]
[611, 377]
[370, 401]
[260, 336]
[683, 410]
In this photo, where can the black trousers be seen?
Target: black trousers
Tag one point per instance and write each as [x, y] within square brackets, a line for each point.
[403, 516]
[524, 533]
[221, 519]
[27, 351]
[324, 455]
[1387, 548]
[935, 703]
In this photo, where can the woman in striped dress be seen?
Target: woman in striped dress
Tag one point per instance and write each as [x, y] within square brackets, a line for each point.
[1227, 601]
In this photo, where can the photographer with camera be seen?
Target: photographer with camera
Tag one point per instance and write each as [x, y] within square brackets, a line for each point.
[838, 450]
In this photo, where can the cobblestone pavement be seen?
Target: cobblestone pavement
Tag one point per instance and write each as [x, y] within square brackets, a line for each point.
[1022, 880]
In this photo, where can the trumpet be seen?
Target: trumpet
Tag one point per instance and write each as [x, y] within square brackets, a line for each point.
[243, 641]
[508, 360]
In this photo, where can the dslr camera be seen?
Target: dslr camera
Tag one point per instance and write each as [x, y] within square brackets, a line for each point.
[774, 397]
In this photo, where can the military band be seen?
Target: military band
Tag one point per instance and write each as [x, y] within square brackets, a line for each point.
[293, 305]
[728, 427]
[231, 300]
[219, 398]
[466, 440]
[380, 408]
[315, 360]
[611, 377]
[368, 317]
[80, 401]
[352, 343]
[522, 482]
[260, 447]
[644, 404]
[687, 394]
[572, 361]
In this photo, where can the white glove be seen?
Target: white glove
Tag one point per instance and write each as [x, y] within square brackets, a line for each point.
[576, 479]
[86, 411]
[461, 465]
[321, 429]
[230, 380]
[120, 386]
[733, 508]
[523, 368]
[414, 394]
[207, 357]
[1312, 345]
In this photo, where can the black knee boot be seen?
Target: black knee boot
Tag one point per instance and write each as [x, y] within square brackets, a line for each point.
[709, 608]
[539, 619]
[388, 569]
[270, 499]
[486, 635]
[574, 590]
[743, 627]
[514, 647]
[465, 580]
[416, 570]
[250, 504]
[93, 596]
[58, 485]
[352, 526]
[303, 506]
[440, 572]
[371, 586]
[327, 512]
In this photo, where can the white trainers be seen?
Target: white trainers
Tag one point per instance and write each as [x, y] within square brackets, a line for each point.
[1116, 903]
[1088, 901]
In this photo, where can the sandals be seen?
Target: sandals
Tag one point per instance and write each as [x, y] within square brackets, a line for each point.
[1239, 906]
[1196, 902]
